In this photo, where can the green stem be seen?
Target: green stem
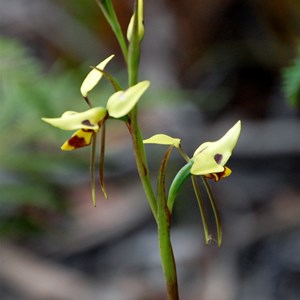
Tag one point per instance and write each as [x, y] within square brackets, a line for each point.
[163, 226]
[137, 139]
[92, 168]
[166, 253]
[113, 81]
[141, 162]
[183, 154]
[134, 51]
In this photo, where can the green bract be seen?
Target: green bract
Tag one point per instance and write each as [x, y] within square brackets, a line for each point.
[210, 157]
[93, 77]
[122, 102]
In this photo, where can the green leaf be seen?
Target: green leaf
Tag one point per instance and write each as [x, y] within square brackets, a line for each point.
[161, 191]
[109, 12]
[183, 174]
[291, 82]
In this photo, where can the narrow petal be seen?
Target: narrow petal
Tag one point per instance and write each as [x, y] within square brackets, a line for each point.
[93, 77]
[163, 139]
[72, 120]
[122, 102]
[220, 151]
[80, 138]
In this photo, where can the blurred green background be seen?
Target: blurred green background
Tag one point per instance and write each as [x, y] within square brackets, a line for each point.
[210, 63]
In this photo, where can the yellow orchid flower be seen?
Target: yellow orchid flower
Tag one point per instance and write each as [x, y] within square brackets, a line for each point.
[86, 123]
[210, 158]
[93, 77]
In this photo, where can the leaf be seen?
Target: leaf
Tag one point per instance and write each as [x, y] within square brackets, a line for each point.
[183, 174]
[291, 82]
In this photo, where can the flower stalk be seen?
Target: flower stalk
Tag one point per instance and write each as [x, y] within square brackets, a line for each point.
[133, 125]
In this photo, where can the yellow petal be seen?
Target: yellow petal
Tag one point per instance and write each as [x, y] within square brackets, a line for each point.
[163, 139]
[140, 23]
[220, 151]
[80, 138]
[122, 102]
[93, 77]
[205, 164]
[72, 120]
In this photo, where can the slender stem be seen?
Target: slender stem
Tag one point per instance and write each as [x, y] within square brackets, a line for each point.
[141, 162]
[183, 154]
[102, 156]
[88, 102]
[215, 210]
[114, 83]
[92, 168]
[202, 210]
[137, 139]
[166, 253]
[163, 226]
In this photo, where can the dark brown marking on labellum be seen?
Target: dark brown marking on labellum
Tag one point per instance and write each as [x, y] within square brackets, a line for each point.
[87, 123]
[218, 158]
[77, 142]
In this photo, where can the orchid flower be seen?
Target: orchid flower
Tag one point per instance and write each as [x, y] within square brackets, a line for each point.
[88, 123]
[208, 161]
[85, 123]
[210, 157]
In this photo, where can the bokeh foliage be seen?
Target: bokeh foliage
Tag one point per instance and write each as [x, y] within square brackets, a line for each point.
[33, 170]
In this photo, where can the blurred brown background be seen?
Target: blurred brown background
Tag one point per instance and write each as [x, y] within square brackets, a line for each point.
[210, 63]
